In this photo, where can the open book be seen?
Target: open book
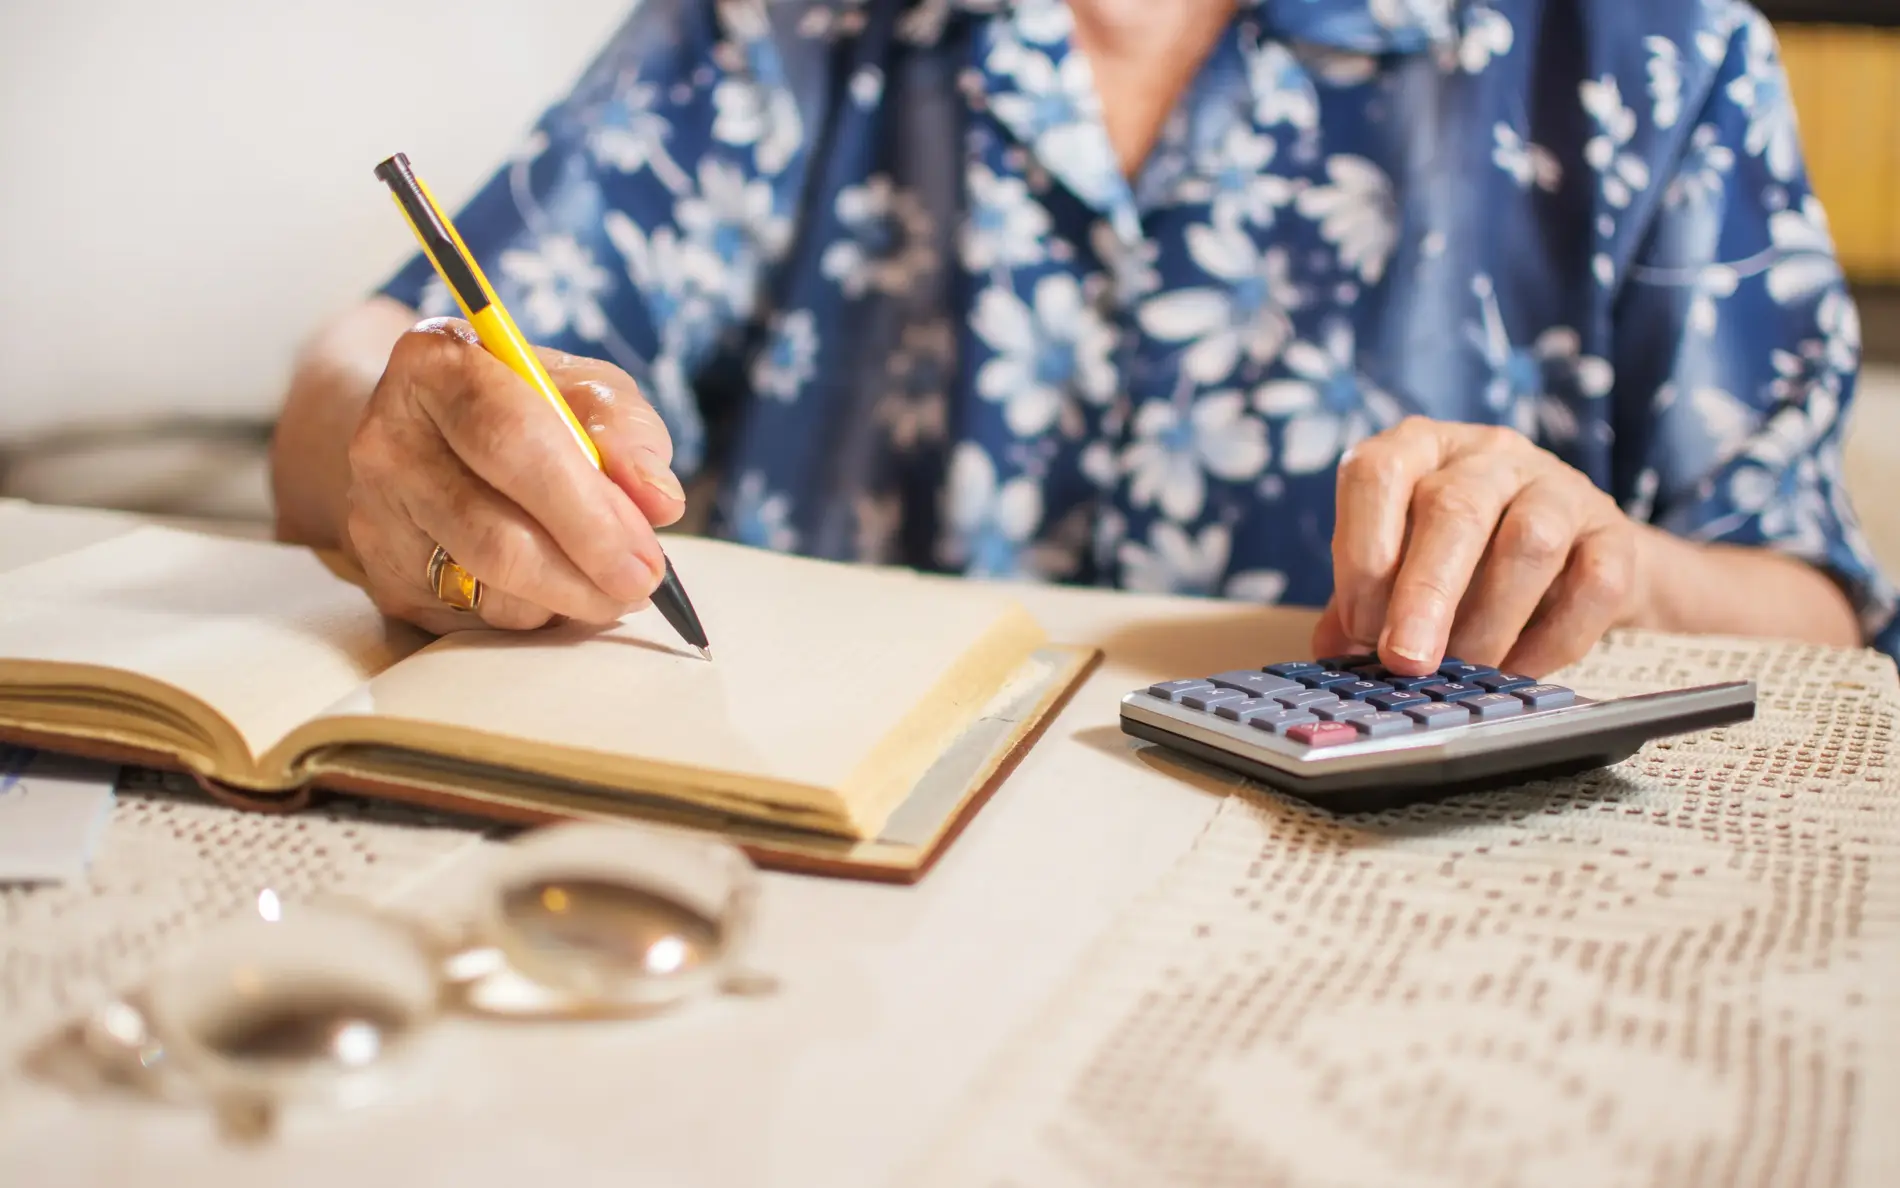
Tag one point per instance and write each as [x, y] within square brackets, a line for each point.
[851, 721]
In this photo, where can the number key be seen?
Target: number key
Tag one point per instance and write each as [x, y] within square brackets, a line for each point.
[1325, 678]
[1501, 682]
[1292, 668]
[1362, 689]
[1458, 670]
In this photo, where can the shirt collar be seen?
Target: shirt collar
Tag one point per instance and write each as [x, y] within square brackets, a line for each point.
[1359, 26]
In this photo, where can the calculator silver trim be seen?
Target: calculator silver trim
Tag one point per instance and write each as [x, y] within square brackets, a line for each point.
[1582, 717]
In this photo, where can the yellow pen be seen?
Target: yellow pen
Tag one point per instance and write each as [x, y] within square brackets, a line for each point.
[456, 265]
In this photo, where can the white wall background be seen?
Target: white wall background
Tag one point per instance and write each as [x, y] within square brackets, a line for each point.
[185, 185]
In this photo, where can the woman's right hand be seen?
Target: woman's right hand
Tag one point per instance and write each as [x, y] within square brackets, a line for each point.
[454, 449]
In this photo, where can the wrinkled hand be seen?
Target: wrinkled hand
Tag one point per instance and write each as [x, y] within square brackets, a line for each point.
[455, 449]
[1470, 541]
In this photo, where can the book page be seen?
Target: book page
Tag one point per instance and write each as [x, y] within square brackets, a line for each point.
[267, 635]
[815, 667]
[30, 533]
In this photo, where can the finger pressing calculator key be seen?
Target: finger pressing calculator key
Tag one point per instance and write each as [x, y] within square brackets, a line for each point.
[1345, 733]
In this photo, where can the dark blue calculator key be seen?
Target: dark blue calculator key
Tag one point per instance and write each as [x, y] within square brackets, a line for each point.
[1304, 697]
[1398, 699]
[1458, 670]
[1292, 668]
[1347, 663]
[1544, 696]
[1501, 682]
[1325, 678]
[1361, 689]
[1207, 699]
[1341, 711]
[1383, 724]
[1172, 690]
[1281, 722]
[1438, 714]
[1256, 684]
[1239, 711]
[1450, 691]
[1409, 683]
[1489, 706]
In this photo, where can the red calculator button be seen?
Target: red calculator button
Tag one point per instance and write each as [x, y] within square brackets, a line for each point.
[1323, 734]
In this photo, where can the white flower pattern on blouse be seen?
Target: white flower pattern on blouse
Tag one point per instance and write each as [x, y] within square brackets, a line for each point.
[878, 267]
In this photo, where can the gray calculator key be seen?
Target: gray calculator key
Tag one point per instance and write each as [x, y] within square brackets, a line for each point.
[1492, 705]
[1439, 715]
[1240, 711]
[1255, 684]
[1207, 699]
[1281, 722]
[1172, 690]
[1305, 697]
[1544, 696]
[1383, 723]
[1341, 712]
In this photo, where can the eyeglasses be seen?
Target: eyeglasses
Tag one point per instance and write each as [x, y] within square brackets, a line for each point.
[292, 1004]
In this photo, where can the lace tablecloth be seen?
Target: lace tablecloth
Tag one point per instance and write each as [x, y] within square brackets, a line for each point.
[1681, 971]
[172, 863]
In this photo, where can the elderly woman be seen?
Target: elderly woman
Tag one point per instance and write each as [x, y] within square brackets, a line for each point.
[1487, 325]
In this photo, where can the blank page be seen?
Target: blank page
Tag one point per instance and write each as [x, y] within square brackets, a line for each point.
[265, 634]
[30, 533]
[815, 665]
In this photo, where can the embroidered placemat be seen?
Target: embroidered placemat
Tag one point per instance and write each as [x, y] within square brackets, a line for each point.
[1681, 971]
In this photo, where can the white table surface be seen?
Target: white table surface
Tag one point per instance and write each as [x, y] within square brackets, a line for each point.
[893, 1000]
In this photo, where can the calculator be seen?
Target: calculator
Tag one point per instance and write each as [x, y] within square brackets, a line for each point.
[1349, 735]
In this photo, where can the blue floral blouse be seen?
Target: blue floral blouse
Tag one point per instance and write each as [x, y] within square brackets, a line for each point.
[875, 263]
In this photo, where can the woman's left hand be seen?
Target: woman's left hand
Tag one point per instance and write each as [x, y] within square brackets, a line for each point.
[1471, 541]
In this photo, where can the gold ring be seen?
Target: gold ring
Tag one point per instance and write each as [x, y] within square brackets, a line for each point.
[452, 584]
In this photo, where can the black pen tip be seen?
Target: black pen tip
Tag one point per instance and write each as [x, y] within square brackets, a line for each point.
[671, 601]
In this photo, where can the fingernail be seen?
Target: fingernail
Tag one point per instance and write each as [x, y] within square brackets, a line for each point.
[1408, 641]
[657, 474]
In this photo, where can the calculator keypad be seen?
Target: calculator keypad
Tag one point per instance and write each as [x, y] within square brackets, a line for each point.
[1343, 699]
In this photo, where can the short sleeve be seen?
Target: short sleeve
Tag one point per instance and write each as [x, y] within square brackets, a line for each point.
[1737, 326]
[639, 219]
